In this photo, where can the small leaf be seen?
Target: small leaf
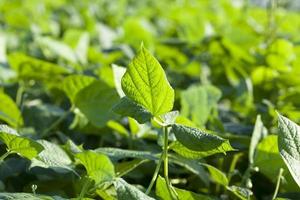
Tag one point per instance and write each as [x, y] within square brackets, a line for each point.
[258, 133]
[74, 83]
[98, 166]
[289, 145]
[126, 191]
[163, 193]
[145, 83]
[188, 153]
[23, 146]
[198, 140]
[127, 107]
[170, 117]
[95, 102]
[216, 175]
[9, 111]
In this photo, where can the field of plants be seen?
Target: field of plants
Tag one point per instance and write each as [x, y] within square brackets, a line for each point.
[141, 100]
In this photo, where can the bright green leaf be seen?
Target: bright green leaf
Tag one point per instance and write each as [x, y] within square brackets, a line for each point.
[198, 140]
[145, 82]
[9, 111]
[216, 175]
[15, 143]
[98, 166]
[188, 153]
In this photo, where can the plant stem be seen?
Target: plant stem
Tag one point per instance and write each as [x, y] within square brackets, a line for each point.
[166, 163]
[84, 189]
[4, 156]
[278, 183]
[56, 123]
[155, 174]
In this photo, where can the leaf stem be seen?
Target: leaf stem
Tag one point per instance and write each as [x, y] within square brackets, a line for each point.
[56, 123]
[4, 156]
[154, 177]
[278, 183]
[84, 189]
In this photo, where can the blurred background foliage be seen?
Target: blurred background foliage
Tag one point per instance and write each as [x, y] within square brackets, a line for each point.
[245, 54]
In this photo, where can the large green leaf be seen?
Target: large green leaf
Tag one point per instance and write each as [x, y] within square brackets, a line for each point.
[198, 140]
[127, 107]
[98, 166]
[16, 144]
[9, 112]
[145, 82]
[198, 101]
[289, 145]
[126, 191]
[163, 193]
[96, 101]
[74, 83]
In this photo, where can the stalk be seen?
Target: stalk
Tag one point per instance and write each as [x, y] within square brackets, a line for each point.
[154, 177]
[277, 184]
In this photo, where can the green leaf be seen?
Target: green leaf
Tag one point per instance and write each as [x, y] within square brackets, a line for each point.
[145, 83]
[126, 191]
[127, 107]
[95, 102]
[32, 68]
[9, 111]
[98, 166]
[198, 101]
[258, 133]
[163, 193]
[289, 145]
[15, 143]
[198, 140]
[74, 83]
[216, 175]
[123, 153]
[53, 157]
[188, 153]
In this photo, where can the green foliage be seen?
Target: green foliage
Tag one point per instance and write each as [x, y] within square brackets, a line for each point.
[149, 99]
